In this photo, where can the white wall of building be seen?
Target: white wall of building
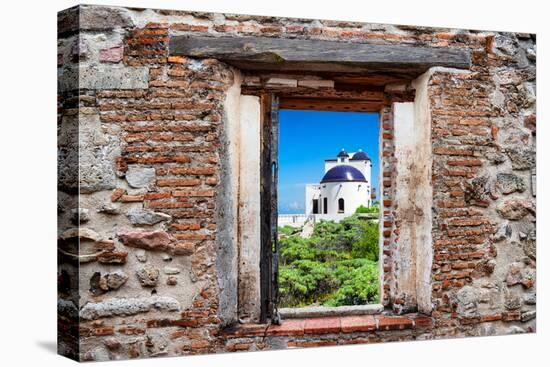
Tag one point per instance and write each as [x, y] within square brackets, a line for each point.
[329, 164]
[313, 191]
[364, 166]
[353, 193]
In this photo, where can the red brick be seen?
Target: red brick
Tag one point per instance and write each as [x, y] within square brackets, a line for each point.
[117, 194]
[189, 193]
[177, 59]
[191, 236]
[178, 182]
[156, 195]
[131, 330]
[469, 222]
[103, 331]
[464, 162]
[183, 248]
[238, 347]
[112, 257]
[394, 323]
[321, 325]
[131, 198]
[185, 226]
[496, 317]
[358, 323]
[452, 151]
[185, 323]
[192, 171]
[422, 322]
[244, 330]
[199, 344]
[287, 328]
[169, 205]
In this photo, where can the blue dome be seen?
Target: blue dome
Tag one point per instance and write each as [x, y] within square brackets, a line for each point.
[343, 173]
[360, 156]
[343, 153]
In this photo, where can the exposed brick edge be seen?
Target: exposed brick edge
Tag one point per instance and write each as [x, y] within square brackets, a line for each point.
[332, 325]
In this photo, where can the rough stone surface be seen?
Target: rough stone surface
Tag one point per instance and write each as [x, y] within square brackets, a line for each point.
[112, 343]
[512, 302]
[171, 270]
[85, 233]
[111, 54]
[516, 209]
[530, 244]
[116, 279]
[97, 155]
[99, 18]
[515, 330]
[140, 177]
[141, 255]
[172, 280]
[519, 273]
[100, 284]
[80, 215]
[146, 217]
[467, 301]
[496, 157]
[153, 241]
[509, 183]
[503, 232]
[528, 315]
[127, 306]
[521, 157]
[110, 77]
[148, 276]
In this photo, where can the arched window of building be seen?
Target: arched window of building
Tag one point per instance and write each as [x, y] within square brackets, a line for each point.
[340, 205]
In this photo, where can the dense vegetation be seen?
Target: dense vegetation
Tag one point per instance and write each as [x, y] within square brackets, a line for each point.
[375, 208]
[337, 266]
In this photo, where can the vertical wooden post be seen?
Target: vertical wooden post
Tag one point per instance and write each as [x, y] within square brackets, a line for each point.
[265, 204]
[274, 207]
[268, 200]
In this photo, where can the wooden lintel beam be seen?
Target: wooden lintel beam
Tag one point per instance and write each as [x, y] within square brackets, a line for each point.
[263, 53]
[324, 104]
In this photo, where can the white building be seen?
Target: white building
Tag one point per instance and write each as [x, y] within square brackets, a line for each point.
[345, 186]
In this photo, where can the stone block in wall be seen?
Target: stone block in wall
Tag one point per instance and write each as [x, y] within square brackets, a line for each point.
[97, 155]
[114, 77]
[102, 18]
[103, 77]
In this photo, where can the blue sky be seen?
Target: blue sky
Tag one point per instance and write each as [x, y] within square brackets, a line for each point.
[307, 138]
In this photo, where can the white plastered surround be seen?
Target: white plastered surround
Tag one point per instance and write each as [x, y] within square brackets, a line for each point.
[412, 260]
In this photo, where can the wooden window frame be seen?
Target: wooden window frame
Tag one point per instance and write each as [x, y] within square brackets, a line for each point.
[271, 103]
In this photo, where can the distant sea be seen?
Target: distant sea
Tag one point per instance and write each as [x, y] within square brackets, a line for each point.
[291, 211]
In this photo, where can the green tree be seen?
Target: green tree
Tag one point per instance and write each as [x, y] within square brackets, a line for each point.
[336, 266]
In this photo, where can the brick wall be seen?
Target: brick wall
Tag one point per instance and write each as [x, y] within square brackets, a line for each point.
[139, 241]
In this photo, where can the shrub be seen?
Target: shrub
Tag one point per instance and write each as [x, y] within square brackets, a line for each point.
[336, 266]
[375, 208]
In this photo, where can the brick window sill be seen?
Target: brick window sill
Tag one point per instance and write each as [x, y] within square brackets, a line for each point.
[332, 325]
